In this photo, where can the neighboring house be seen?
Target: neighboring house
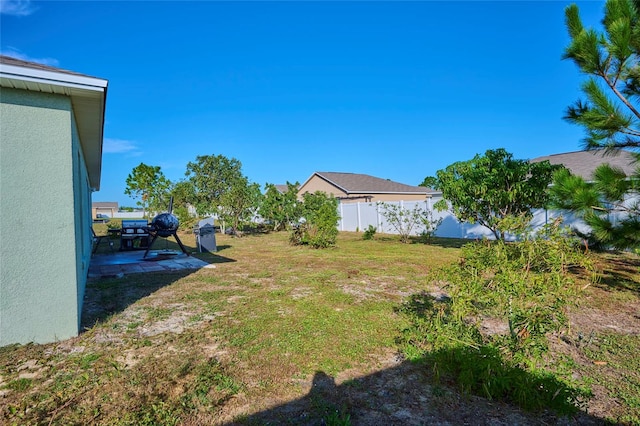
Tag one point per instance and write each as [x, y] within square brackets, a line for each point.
[110, 208]
[584, 163]
[354, 188]
[51, 134]
[282, 188]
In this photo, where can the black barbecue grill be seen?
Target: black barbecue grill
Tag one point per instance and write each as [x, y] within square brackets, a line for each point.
[164, 225]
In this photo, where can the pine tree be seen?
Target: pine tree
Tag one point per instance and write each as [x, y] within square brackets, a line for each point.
[610, 202]
[611, 59]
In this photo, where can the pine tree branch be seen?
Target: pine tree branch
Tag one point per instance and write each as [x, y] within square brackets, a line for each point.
[621, 67]
[630, 132]
[620, 96]
[605, 68]
[620, 208]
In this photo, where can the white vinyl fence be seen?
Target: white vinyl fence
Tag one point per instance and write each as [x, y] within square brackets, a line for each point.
[358, 217]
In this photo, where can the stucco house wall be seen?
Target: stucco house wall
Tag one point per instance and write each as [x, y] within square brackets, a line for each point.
[44, 254]
[42, 241]
[315, 184]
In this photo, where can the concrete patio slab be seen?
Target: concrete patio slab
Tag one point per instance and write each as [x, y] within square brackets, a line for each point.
[132, 262]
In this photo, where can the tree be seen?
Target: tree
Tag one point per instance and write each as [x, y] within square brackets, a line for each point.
[611, 60]
[149, 184]
[487, 189]
[183, 198]
[239, 204]
[609, 204]
[611, 118]
[429, 182]
[211, 176]
[281, 208]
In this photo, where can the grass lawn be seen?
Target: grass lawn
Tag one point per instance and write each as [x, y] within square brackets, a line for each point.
[277, 334]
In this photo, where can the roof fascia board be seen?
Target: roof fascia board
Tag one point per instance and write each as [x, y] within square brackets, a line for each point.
[306, 181]
[324, 179]
[53, 78]
[391, 192]
[333, 183]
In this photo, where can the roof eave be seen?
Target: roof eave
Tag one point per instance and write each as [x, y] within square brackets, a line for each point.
[57, 78]
[389, 192]
[88, 99]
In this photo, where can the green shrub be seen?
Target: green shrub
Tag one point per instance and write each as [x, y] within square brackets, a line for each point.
[527, 286]
[319, 227]
[369, 233]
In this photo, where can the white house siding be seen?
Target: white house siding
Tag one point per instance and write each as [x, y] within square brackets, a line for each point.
[37, 302]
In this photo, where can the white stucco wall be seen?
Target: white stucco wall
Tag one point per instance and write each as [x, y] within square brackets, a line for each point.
[41, 285]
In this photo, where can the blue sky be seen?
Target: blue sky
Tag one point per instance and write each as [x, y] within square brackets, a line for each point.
[397, 90]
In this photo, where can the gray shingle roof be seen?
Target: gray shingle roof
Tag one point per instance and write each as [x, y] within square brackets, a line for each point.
[584, 163]
[359, 183]
[8, 60]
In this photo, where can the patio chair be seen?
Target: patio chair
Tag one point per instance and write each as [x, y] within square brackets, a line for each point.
[97, 239]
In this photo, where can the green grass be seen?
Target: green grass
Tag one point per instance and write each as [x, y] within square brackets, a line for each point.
[19, 385]
[252, 332]
[155, 313]
[616, 367]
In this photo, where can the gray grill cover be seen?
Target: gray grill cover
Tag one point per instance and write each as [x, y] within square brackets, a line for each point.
[206, 236]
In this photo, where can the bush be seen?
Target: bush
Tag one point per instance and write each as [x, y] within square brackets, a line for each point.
[527, 287]
[319, 227]
[369, 233]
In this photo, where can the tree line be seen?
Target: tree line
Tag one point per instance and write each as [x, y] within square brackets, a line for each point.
[215, 185]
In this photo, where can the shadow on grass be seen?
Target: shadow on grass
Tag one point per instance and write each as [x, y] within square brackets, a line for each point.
[213, 257]
[105, 297]
[622, 273]
[404, 394]
[458, 384]
[440, 241]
